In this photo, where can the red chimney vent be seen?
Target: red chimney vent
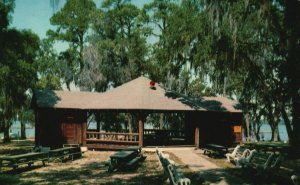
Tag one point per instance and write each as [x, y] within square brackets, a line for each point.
[152, 84]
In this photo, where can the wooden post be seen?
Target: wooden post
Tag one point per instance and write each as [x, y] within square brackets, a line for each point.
[197, 134]
[189, 135]
[141, 133]
[37, 126]
[83, 131]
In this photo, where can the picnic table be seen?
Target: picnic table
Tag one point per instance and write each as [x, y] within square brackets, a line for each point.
[29, 158]
[66, 152]
[128, 157]
[268, 147]
[133, 148]
[215, 150]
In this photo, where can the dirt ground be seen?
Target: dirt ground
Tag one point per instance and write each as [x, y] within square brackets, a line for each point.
[90, 169]
[228, 174]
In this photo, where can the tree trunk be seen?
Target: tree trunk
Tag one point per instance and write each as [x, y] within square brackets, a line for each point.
[247, 122]
[23, 126]
[275, 131]
[81, 64]
[161, 121]
[273, 122]
[292, 36]
[68, 86]
[98, 119]
[224, 86]
[296, 123]
[276, 134]
[23, 129]
[287, 123]
[257, 130]
[6, 131]
[130, 125]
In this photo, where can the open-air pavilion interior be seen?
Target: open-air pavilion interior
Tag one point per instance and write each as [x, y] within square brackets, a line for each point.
[156, 117]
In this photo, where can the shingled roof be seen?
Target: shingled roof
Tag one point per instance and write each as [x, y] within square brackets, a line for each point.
[133, 95]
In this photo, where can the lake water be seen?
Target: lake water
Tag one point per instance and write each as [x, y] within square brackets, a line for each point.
[16, 128]
[265, 130]
[30, 132]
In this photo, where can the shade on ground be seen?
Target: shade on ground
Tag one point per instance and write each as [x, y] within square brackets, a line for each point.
[207, 170]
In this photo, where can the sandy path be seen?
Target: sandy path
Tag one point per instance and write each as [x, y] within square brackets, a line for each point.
[210, 172]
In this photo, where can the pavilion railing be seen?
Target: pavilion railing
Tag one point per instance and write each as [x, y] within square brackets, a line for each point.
[155, 137]
[113, 137]
[166, 133]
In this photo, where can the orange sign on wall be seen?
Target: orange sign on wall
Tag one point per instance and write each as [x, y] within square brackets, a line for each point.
[237, 129]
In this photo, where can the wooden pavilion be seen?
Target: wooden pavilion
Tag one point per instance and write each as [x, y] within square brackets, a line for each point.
[61, 116]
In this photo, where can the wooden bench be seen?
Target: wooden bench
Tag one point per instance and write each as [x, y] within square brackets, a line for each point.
[15, 161]
[259, 160]
[230, 156]
[272, 167]
[295, 179]
[177, 177]
[83, 149]
[70, 145]
[245, 158]
[174, 173]
[239, 152]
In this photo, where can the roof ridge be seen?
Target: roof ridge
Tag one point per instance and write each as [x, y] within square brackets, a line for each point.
[136, 94]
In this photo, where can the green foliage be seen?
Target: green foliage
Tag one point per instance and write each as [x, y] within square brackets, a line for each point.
[158, 15]
[183, 50]
[17, 61]
[113, 122]
[171, 121]
[120, 42]
[50, 69]
[73, 24]
[291, 68]
[6, 8]
[18, 52]
[198, 88]
[247, 50]
[73, 21]
[239, 47]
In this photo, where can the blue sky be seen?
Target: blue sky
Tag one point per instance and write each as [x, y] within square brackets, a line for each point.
[36, 14]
